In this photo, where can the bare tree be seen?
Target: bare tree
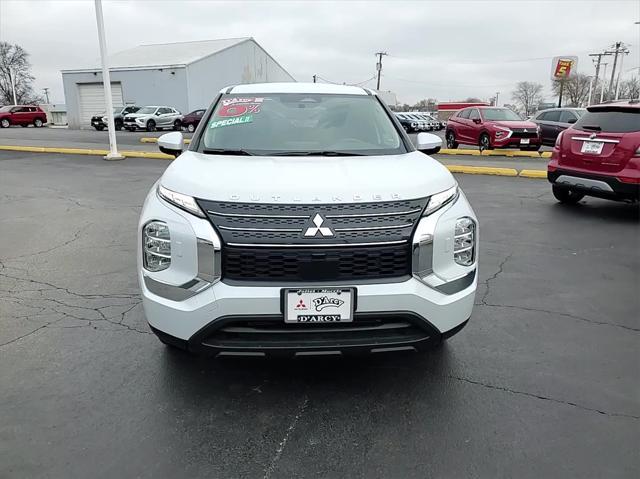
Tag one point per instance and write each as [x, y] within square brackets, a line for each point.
[527, 96]
[576, 89]
[630, 89]
[14, 65]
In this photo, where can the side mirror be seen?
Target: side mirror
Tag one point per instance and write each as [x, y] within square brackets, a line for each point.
[572, 120]
[428, 143]
[477, 121]
[171, 143]
[158, 113]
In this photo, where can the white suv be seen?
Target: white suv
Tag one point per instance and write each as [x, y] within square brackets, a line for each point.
[302, 220]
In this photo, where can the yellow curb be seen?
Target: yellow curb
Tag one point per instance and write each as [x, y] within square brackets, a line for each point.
[85, 151]
[155, 140]
[508, 153]
[545, 154]
[534, 174]
[482, 170]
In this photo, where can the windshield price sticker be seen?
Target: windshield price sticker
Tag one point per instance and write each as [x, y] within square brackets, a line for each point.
[238, 120]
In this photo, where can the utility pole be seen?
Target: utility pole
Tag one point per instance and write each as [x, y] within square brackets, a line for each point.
[625, 52]
[379, 66]
[620, 48]
[46, 94]
[604, 74]
[106, 81]
[590, 91]
[598, 62]
[315, 78]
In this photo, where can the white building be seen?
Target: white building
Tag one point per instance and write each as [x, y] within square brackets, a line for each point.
[184, 75]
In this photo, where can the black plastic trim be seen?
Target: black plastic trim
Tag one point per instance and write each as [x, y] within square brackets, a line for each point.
[621, 191]
[457, 285]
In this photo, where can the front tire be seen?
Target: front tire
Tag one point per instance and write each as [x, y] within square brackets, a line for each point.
[566, 195]
[99, 128]
[118, 125]
[452, 144]
[191, 128]
[151, 125]
[485, 142]
[177, 125]
[5, 123]
[38, 123]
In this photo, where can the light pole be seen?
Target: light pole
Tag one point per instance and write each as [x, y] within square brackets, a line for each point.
[590, 91]
[497, 94]
[106, 81]
[46, 94]
[604, 75]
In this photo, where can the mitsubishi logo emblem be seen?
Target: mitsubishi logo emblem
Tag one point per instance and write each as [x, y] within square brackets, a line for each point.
[526, 131]
[313, 231]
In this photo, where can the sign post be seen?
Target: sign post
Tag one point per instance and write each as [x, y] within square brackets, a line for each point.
[562, 68]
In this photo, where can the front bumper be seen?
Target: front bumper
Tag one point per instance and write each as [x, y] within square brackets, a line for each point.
[511, 142]
[248, 319]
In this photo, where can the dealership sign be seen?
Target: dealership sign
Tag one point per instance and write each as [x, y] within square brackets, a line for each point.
[563, 67]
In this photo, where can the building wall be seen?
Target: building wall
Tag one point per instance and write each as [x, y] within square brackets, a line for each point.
[243, 63]
[142, 87]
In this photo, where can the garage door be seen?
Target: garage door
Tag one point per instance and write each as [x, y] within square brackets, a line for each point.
[91, 96]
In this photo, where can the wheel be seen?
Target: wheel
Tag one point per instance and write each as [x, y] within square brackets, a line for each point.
[37, 123]
[99, 127]
[485, 142]
[566, 195]
[118, 125]
[151, 125]
[4, 123]
[452, 144]
[191, 128]
[177, 125]
[405, 128]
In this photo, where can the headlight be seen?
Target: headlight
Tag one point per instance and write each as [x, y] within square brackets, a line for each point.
[156, 242]
[464, 241]
[503, 133]
[183, 202]
[438, 200]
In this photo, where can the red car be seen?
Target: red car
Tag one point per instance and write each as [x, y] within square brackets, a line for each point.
[190, 121]
[599, 155]
[492, 127]
[23, 115]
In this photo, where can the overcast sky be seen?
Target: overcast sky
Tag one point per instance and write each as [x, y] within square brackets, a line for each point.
[449, 50]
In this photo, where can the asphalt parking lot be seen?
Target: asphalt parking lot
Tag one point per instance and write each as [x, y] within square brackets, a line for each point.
[543, 382]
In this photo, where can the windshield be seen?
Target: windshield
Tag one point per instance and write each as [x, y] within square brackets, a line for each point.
[147, 110]
[500, 114]
[298, 124]
[610, 120]
[117, 110]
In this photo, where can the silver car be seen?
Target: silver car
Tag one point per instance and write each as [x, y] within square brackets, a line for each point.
[153, 118]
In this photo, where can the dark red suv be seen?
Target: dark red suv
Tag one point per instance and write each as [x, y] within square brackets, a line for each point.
[24, 115]
[492, 127]
[599, 155]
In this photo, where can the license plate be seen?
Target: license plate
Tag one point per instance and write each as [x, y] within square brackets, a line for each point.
[524, 141]
[593, 147]
[322, 305]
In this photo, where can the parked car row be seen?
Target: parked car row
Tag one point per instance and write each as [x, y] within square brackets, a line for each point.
[149, 118]
[23, 115]
[415, 121]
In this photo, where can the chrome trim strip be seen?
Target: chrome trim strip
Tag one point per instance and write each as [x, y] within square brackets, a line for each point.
[243, 215]
[266, 230]
[458, 284]
[316, 245]
[175, 293]
[598, 140]
[583, 183]
[163, 240]
[372, 215]
[375, 228]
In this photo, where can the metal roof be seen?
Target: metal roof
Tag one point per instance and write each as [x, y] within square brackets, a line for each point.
[164, 55]
[295, 87]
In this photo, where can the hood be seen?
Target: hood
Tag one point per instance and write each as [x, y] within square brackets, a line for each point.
[307, 179]
[516, 124]
[137, 115]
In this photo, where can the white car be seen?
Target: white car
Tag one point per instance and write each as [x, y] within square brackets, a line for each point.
[302, 220]
[152, 118]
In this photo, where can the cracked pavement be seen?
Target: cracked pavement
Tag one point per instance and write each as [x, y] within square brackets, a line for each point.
[543, 382]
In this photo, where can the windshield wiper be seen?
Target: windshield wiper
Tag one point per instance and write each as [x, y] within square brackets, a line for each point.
[225, 151]
[592, 127]
[316, 153]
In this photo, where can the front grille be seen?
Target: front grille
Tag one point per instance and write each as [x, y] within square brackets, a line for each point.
[316, 264]
[273, 334]
[286, 224]
[524, 133]
[129, 120]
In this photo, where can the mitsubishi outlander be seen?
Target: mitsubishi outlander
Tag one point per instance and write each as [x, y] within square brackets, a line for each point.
[301, 220]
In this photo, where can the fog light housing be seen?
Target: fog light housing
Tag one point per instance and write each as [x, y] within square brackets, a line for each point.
[156, 246]
[464, 241]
